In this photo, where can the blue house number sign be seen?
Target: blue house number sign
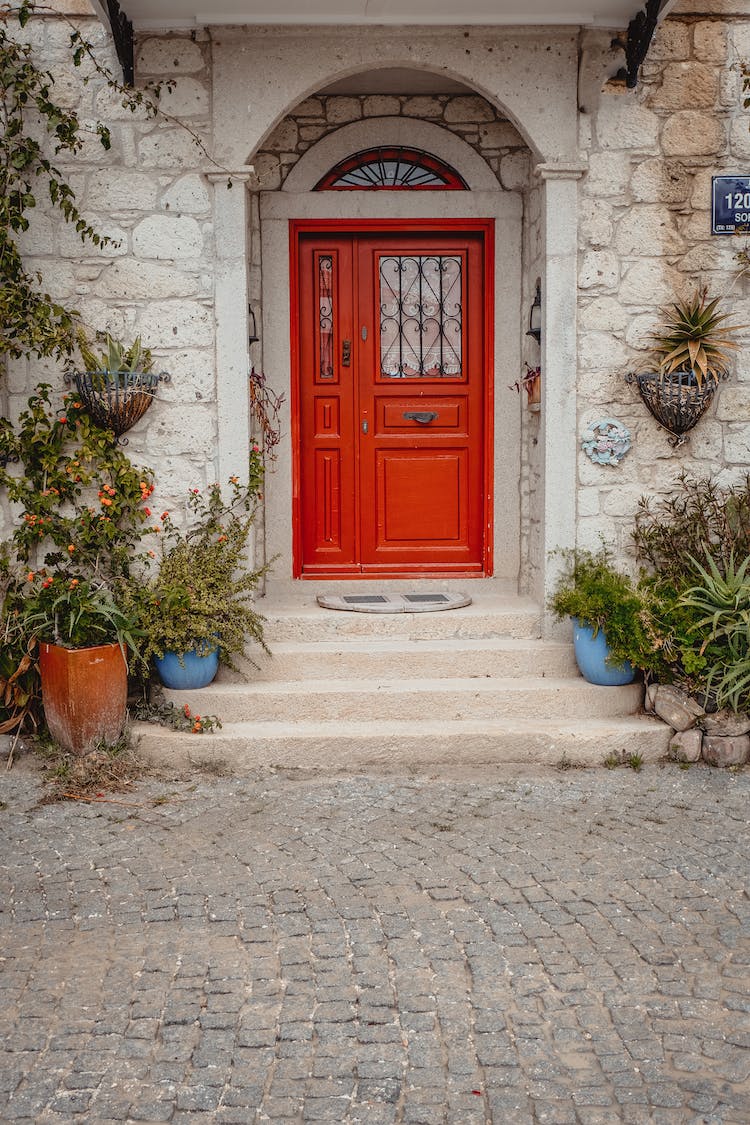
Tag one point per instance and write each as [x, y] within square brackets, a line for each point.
[731, 204]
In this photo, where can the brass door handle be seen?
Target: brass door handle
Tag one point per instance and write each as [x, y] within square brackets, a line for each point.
[346, 353]
[424, 417]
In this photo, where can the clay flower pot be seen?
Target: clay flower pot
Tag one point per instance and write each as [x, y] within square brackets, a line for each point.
[84, 693]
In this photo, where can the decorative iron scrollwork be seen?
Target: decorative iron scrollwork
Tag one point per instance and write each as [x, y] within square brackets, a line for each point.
[677, 401]
[421, 316]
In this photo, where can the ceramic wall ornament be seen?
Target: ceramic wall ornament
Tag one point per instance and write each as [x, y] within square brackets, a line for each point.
[606, 442]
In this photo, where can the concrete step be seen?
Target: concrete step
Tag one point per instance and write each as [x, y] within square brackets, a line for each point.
[496, 616]
[395, 746]
[397, 657]
[414, 700]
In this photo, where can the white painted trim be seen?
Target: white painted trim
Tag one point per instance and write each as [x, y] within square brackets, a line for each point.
[277, 208]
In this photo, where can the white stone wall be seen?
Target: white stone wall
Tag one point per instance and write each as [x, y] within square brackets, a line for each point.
[645, 237]
[644, 230]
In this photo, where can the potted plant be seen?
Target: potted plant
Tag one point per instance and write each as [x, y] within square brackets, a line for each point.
[197, 609]
[684, 362]
[118, 384]
[605, 608]
[83, 638]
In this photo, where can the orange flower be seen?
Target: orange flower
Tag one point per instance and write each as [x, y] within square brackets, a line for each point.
[63, 420]
[186, 709]
[71, 548]
[30, 576]
[164, 515]
[147, 511]
[106, 501]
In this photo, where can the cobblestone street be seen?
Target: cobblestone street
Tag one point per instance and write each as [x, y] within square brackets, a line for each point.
[558, 947]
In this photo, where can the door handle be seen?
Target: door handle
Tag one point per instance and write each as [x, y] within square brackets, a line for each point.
[424, 417]
[346, 353]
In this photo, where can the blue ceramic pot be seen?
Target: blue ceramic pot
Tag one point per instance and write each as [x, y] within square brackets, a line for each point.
[591, 654]
[196, 670]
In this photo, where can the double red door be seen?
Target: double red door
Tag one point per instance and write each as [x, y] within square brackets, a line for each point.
[391, 369]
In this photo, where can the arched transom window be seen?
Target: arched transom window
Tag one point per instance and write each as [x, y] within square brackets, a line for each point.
[391, 168]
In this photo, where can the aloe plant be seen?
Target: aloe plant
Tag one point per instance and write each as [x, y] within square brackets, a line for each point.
[116, 358]
[696, 337]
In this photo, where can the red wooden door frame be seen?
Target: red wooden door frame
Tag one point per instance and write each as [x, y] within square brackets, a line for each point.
[333, 227]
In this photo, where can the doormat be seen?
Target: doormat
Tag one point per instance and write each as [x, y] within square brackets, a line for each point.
[393, 603]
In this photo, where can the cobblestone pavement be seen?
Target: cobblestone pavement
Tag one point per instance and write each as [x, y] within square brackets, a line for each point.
[559, 947]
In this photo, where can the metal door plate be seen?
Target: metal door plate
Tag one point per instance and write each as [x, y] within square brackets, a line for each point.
[393, 603]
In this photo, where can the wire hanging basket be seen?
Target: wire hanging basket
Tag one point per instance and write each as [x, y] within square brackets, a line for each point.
[116, 400]
[677, 401]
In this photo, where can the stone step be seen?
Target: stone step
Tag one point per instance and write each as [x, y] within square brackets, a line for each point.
[398, 657]
[399, 746]
[491, 617]
[413, 699]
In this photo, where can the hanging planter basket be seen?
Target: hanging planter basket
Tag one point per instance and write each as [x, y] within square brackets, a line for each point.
[117, 399]
[677, 401]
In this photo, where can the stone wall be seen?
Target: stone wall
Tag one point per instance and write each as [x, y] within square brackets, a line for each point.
[645, 237]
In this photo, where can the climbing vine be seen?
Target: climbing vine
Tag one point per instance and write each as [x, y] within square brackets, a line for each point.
[35, 131]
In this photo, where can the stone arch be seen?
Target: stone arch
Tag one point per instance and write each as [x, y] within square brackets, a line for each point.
[374, 131]
[277, 69]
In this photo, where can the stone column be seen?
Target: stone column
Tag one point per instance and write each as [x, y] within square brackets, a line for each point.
[230, 311]
[559, 368]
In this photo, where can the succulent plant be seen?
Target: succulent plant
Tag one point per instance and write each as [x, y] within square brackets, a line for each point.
[695, 337]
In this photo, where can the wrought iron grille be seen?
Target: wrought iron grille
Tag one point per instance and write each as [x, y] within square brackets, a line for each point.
[392, 167]
[325, 314]
[421, 316]
[676, 401]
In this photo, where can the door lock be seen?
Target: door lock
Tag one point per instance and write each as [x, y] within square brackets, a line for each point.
[365, 427]
[346, 353]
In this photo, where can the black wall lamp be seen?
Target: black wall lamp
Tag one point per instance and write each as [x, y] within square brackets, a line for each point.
[535, 315]
[252, 327]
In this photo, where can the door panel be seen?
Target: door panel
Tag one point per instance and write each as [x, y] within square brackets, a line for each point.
[392, 377]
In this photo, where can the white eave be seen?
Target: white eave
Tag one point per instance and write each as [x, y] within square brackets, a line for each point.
[169, 14]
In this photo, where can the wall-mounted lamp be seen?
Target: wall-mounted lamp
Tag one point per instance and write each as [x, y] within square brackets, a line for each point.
[535, 315]
[252, 327]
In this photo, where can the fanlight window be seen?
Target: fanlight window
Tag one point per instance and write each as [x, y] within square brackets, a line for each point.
[392, 169]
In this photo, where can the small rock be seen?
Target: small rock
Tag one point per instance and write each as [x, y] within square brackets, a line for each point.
[650, 697]
[676, 707]
[726, 723]
[686, 745]
[719, 750]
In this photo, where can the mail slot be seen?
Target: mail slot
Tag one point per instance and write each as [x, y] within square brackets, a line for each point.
[408, 414]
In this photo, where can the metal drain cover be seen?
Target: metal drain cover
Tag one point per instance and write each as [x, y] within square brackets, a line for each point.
[393, 603]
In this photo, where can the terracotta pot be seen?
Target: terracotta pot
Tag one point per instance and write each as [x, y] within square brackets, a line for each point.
[84, 692]
[534, 391]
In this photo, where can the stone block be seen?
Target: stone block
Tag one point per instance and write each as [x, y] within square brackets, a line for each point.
[686, 85]
[169, 55]
[468, 108]
[740, 137]
[710, 41]
[187, 98]
[381, 105]
[603, 314]
[599, 268]
[608, 174]
[624, 124]
[676, 707]
[284, 138]
[661, 181]
[500, 134]
[180, 323]
[723, 751]
[341, 110]
[116, 189]
[686, 745]
[168, 148]
[726, 723]
[650, 282]
[689, 132]
[310, 107]
[127, 279]
[423, 106]
[515, 171]
[188, 195]
[168, 236]
[595, 226]
[671, 41]
[646, 231]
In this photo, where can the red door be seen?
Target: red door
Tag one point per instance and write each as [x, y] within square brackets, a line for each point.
[392, 384]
